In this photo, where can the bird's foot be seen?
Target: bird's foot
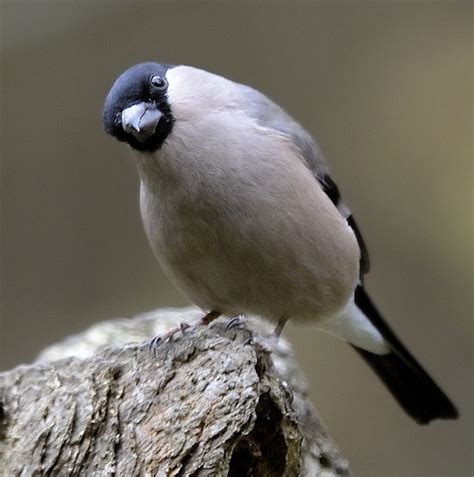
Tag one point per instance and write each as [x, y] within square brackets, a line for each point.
[237, 321]
[168, 336]
[269, 343]
[266, 343]
[182, 328]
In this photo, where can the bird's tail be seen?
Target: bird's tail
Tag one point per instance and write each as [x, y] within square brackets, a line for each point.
[404, 377]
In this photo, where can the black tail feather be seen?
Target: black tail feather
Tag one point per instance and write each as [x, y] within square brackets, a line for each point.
[409, 383]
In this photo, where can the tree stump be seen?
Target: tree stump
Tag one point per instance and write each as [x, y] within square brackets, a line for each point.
[208, 403]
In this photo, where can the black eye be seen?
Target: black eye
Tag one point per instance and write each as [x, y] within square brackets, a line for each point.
[158, 82]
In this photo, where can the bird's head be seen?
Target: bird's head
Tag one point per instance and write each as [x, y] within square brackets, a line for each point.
[147, 99]
[136, 110]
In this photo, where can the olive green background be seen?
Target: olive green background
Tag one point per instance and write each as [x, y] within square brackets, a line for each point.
[385, 87]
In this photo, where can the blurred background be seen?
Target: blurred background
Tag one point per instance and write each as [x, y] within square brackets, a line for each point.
[386, 89]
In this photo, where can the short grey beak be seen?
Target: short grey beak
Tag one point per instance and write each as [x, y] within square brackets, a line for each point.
[141, 120]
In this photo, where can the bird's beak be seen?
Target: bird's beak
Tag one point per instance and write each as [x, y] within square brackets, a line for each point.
[141, 120]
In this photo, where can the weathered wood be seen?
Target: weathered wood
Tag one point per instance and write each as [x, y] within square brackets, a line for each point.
[206, 404]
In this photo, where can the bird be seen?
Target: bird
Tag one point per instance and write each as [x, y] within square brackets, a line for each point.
[242, 213]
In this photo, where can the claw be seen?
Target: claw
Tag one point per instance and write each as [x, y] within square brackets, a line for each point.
[155, 342]
[235, 322]
[249, 341]
[266, 343]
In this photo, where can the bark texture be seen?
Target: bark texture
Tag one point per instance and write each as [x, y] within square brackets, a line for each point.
[206, 404]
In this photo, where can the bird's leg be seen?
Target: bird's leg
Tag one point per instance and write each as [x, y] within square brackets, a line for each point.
[204, 321]
[208, 319]
[278, 329]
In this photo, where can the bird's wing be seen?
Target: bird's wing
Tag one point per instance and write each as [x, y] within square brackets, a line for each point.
[270, 115]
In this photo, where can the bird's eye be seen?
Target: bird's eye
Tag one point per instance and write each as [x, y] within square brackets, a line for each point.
[158, 82]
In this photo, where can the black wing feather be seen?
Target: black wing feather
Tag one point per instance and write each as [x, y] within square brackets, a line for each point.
[332, 191]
